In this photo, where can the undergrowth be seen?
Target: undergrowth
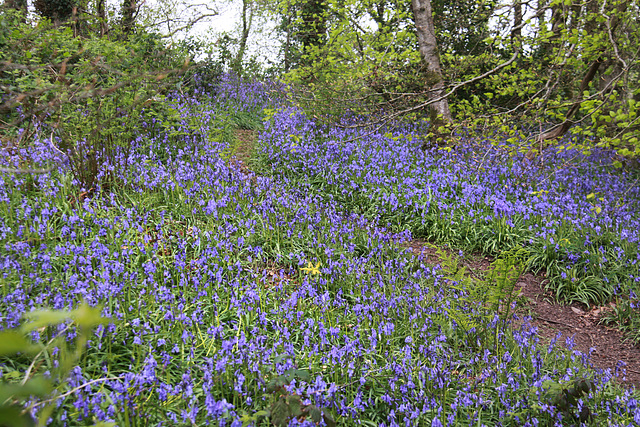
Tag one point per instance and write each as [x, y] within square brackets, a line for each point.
[574, 216]
[241, 299]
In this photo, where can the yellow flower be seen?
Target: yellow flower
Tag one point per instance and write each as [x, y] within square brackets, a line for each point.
[310, 269]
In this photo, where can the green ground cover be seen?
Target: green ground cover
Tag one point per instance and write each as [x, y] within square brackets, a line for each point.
[217, 296]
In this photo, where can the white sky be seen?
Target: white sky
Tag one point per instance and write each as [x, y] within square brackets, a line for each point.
[228, 20]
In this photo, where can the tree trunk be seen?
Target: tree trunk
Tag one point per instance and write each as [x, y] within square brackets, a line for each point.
[129, 11]
[428, 48]
[247, 19]
[102, 17]
[516, 33]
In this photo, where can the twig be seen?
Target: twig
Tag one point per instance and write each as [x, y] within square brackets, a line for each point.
[556, 322]
[73, 390]
[26, 374]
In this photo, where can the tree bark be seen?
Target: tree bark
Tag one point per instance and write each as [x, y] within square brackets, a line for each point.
[428, 48]
[129, 11]
[247, 20]
[102, 17]
[516, 33]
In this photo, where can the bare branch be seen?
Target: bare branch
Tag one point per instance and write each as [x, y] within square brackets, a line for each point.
[610, 34]
[73, 390]
[189, 24]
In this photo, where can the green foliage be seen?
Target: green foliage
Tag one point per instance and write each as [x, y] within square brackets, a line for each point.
[365, 68]
[304, 22]
[206, 72]
[55, 10]
[86, 94]
[564, 398]
[624, 311]
[491, 296]
[358, 67]
[462, 26]
[285, 406]
[15, 388]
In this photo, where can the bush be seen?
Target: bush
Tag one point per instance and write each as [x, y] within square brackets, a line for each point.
[85, 94]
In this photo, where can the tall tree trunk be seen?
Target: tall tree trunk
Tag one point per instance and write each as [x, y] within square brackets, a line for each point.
[247, 19]
[516, 33]
[428, 48]
[129, 11]
[102, 17]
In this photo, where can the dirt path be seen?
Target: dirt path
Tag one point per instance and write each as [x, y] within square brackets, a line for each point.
[573, 320]
[611, 350]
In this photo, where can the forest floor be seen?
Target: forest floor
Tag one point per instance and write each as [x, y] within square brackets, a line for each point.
[582, 325]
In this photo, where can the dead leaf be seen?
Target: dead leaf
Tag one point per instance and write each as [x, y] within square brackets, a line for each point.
[577, 311]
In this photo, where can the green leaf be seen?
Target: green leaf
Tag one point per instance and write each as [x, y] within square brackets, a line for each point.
[301, 375]
[247, 419]
[36, 386]
[276, 383]
[42, 318]
[12, 416]
[262, 414]
[12, 342]
[295, 405]
[328, 419]
[280, 413]
[88, 317]
[85, 316]
[315, 413]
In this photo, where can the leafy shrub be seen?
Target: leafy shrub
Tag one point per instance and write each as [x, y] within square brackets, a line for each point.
[85, 94]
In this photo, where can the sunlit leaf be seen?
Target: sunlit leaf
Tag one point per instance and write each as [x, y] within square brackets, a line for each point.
[12, 342]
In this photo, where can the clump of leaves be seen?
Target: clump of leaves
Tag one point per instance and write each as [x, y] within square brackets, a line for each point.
[625, 312]
[493, 294]
[17, 387]
[564, 397]
[286, 406]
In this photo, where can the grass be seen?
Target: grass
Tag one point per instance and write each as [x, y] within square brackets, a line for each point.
[279, 300]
